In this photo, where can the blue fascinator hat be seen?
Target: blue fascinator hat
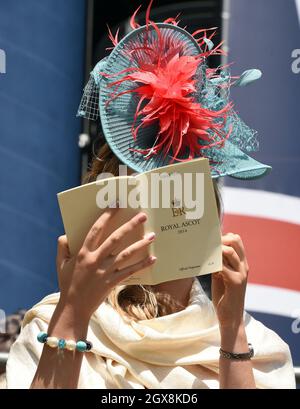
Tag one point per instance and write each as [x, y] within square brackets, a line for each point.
[159, 102]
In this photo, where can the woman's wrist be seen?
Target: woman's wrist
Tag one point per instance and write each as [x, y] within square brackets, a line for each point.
[234, 338]
[69, 322]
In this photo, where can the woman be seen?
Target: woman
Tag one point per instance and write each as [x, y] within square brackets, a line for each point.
[90, 306]
[170, 335]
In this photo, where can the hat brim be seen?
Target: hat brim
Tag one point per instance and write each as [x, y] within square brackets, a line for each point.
[239, 165]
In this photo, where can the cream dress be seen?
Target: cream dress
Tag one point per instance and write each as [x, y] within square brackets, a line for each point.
[179, 350]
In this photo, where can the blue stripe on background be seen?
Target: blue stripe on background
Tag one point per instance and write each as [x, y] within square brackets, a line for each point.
[263, 35]
[39, 155]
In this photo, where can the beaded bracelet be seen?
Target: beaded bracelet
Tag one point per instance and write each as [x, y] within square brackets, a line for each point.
[54, 342]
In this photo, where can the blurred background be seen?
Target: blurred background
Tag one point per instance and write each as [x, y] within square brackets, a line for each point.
[47, 50]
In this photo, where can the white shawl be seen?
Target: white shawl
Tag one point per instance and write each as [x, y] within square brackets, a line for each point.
[179, 350]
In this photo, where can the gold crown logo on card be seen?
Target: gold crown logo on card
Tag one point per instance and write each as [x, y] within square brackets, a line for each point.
[177, 209]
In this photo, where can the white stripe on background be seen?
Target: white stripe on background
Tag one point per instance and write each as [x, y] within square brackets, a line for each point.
[272, 300]
[258, 203]
[298, 9]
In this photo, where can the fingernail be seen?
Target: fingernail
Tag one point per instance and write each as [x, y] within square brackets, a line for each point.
[150, 236]
[152, 259]
[142, 217]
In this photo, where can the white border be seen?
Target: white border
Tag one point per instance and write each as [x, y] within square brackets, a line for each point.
[272, 300]
[259, 203]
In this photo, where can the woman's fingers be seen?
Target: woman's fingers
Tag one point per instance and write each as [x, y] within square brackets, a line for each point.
[231, 256]
[63, 252]
[114, 241]
[121, 274]
[132, 250]
[232, 277]
[93, 238]
[235, 241]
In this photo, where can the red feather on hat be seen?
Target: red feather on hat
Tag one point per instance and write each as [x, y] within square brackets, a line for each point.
[166, 84]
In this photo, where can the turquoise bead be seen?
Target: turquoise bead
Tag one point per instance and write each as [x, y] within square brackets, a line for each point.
[81, 346]
[61, 344]
[42, 337]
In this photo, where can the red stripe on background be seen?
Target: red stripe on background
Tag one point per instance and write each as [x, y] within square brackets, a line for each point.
[272, 249]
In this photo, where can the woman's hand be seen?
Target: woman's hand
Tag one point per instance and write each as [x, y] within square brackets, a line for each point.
[86, 279]
[228, 294]
[229, 285]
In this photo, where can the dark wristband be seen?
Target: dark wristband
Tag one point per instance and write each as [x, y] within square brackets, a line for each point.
[238, 357]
